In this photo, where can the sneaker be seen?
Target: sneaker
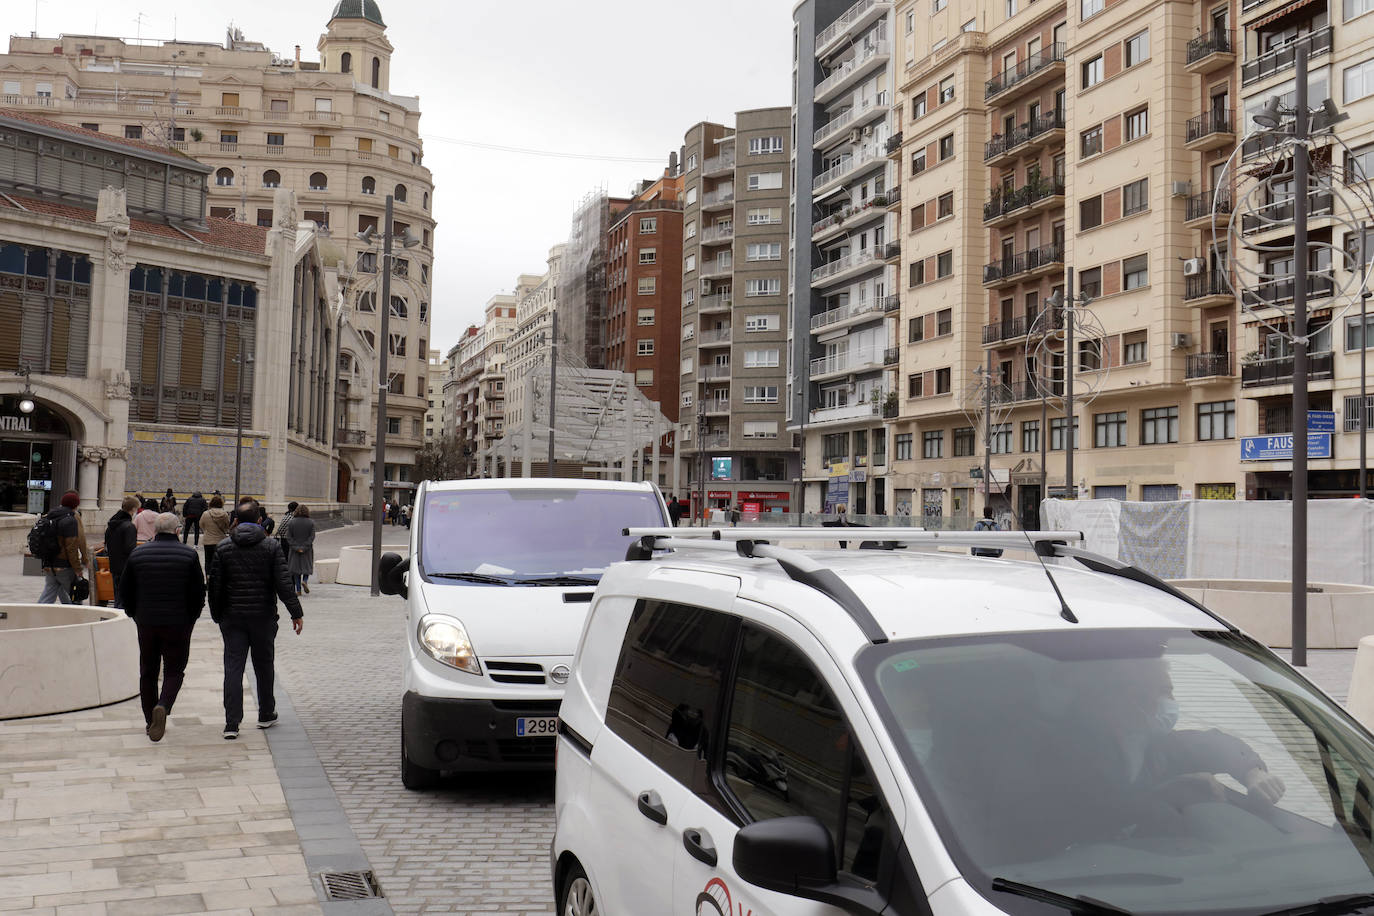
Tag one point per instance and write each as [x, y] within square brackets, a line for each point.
[158, 727]
[306, 586]
[267, 722]
[231, 732]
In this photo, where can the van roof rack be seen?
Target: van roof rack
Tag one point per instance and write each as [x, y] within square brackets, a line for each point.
[1007, 540]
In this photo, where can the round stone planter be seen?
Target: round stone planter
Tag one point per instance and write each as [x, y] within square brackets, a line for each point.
[1338, 616]
[355, 564]
[60, 657]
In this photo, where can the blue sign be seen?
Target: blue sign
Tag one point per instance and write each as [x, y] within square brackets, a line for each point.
[1280, 448]
[1321, 421]
[837, 490]
[720, 468]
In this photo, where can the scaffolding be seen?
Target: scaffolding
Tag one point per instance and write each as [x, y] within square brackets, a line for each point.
[582, 285]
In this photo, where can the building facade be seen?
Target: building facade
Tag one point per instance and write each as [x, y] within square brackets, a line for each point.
[330, 130]
[529, 345]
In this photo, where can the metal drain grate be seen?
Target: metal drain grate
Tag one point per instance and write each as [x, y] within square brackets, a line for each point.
[349, 885]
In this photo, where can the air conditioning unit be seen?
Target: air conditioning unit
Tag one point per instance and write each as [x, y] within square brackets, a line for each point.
[868, 131]
[1180, 341]
[854, 135]
[1183, 188]
[1194, 267]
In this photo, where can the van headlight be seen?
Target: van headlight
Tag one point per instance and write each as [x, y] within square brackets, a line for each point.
[445, 640]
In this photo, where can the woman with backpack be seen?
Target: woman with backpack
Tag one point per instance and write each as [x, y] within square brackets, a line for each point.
[169, 502]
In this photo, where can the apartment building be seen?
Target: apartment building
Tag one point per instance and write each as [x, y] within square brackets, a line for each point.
[645, 291]
[735, 283]
[583, 300]
[843, 302]
[529, 346]
[330, 130]
[434, 392]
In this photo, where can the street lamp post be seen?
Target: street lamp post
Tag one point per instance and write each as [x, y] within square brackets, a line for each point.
[244, 364]
[1066, 303]
[703, 427]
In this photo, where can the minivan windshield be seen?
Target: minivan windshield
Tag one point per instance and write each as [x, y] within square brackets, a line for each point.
[522, 536]
[1156, 771]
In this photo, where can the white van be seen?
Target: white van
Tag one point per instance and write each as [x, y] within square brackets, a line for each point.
[497, 587]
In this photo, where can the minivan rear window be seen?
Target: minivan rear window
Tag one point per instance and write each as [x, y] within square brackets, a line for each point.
[545, 536]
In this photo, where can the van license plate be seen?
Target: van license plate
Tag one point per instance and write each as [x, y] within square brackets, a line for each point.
[536, 727]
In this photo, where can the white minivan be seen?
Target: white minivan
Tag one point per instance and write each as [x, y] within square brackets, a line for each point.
[498, 583]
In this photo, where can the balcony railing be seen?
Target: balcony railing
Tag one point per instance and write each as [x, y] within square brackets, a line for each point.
[892, 356]
[840, 25]
[1019, 198]
[718, 234]
[719, 163]
[1032, 65]
[711, 372]
[1275, 292]
[716, 303]
[845, 166]
[893, 144]
[1005, 143]
[854, 310]
[715, 440]
[846, 362]
[1023, 262]
[846, 117]
[891, 250]
[716, 335]
[1217, 41]
[719, 196]
[1200, 205]
[1317, 42]
[1211, 122]
[1200, 286]
[1279, 370]
[851, 260]
[350, 436]
[1259, 143]
[861, 57]
[1010, 329]
[892, 303]
[1207, 365]
[1279, 215]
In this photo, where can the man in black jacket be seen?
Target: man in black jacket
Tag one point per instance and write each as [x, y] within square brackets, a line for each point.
[120, 540]
[247, 577]
[191, 512]
[163, 590]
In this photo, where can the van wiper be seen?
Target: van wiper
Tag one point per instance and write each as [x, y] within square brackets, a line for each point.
[1329, 906]
[1085, 905]
[558, 580]
[473, 577]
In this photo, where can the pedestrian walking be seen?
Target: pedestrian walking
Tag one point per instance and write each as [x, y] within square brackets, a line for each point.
[215, 522]
[386, 511]
[674, 511]
[58, 540]
[986, 523]
[247, 577]
[191, 512]
[734, 516]
[405, 516]
[163, 590]
[285, 523]
[395, 512]
[300, 559]
[265, 520]
[169, 502]
[120, 540]
[145, 522]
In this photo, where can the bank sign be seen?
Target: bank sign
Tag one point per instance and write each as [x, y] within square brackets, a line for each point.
[1280, 448]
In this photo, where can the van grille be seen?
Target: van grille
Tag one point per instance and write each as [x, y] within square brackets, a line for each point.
[515, 672]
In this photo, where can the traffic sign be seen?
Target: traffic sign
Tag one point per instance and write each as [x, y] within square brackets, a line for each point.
[1321, 421]
[1280, 448]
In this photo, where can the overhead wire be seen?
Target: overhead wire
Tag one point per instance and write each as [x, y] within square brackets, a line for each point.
[550, 154]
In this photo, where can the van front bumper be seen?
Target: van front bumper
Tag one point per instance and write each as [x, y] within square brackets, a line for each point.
[469, 735]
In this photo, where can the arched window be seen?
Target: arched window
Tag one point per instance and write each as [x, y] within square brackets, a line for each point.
[271, 179]
[224, 177]
[376, 73]
[318, 182]
[425, 200]
[345, 363]
[369, 185]
[398, 308]
[400, 193]
[346, 63]
[370, 338]
[367, 302]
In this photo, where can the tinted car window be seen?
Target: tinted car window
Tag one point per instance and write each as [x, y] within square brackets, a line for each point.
[665, 696]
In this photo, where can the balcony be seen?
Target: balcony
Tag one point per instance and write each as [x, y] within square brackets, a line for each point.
[717, 234]
[1211, 50]
[1030, 136]
[715, 440]
[1207, 365]
[1032, 71]
[866, 59]
[1279, 371]
[323, 118]
[842, 267]
[1211, 130]
[841, 363]
[1005, 207]
[855, 115]
[1276, 292]
[715, 337]
[717, 268]
[230, 113]
[833, 318]
[718, 199]
[1207, 289]
[860, 14]
[892, 251]
[1259, 143]
[1278, 60]
[350, 436]
[851, 215]
[892, 197]
[892, 356]
[1010, 329]
[720, 302]
[893, 147]
[844, 168]
[1198, 212]
[718, 165]
[715, 372]
[1037, 260]
[1278, 216]
[846, 412]
[715, 406]
[892, 303]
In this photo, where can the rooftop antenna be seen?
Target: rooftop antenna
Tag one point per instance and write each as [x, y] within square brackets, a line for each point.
[138, 21]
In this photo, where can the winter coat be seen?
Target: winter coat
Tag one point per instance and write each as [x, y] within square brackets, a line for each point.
[71, 541]
[214, 525]
[194, 507]
[120, 539]
[145, 523]
[300, 554]
[163, 585]
[248, 575]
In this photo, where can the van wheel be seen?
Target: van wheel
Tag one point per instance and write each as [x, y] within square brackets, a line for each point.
[575, 897]
[414, 776]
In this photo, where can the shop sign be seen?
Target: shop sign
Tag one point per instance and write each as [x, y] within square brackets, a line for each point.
[16, 424]
[721, 468]
[762, 495]
[718, 494]
[1280, 448]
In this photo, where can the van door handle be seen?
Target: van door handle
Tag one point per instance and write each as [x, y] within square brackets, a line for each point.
[651, 806]
[698, 843]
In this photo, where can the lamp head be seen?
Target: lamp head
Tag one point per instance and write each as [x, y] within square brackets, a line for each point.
[366, 235]
[26, 405]
[406, 239]
[1327, 116]
[1270, 116]
[1056, 299]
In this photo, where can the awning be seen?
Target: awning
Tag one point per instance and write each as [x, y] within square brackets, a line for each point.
[1284, 11]
[1282, 320]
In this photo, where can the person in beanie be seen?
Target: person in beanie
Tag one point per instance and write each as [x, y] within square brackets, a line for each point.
[163, 590]
[60, 572]
[120, 541]
[247, 577]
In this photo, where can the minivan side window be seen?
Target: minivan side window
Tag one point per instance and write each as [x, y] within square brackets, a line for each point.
[789, 751]
[665, 697]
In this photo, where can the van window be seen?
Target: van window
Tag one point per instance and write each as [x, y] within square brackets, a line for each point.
[512, 535]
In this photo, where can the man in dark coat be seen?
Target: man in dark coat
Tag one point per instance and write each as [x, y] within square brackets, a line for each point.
[163, 590]
[247, 577]
[61, 571]
[191, 513]
[674, 510]
[120, 540]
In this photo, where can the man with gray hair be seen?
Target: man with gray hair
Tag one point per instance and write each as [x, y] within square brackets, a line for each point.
[163, 590]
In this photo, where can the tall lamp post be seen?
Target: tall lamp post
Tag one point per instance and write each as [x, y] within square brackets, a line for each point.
[1065, 302]
[703, 427]
[244, 364]
[383, 381]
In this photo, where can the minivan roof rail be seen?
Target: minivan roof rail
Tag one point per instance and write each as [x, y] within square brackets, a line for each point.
[1007, 540]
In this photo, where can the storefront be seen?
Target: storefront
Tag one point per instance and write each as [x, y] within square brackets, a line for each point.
[37, 455]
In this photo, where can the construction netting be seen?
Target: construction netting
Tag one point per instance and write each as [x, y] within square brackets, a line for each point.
[582, 282]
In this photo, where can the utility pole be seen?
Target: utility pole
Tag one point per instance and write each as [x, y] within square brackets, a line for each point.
[987, 434]
[1070, 488]
[553, 384]
[383, 383]
[1299, 424]
[1364, 352]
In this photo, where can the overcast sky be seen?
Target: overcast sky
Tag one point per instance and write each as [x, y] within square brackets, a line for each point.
[610, 78]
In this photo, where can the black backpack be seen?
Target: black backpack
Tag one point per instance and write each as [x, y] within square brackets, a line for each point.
[43, 539]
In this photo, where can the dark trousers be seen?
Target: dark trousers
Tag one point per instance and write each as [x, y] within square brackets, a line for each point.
[209, 556]
[242, 636]
[166, 648]
[187, 525]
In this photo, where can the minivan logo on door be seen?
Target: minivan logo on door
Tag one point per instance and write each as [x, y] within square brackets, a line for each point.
[560, 674]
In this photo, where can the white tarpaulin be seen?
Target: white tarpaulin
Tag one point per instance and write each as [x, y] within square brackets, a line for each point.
[1225, 539]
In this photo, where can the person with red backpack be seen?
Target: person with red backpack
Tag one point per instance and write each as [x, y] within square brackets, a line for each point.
[58, 540]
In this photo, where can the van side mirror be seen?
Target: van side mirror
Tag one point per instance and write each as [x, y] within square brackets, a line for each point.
[796, 856]
[391, 574]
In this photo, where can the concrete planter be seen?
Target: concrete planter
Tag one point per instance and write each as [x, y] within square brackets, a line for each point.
[1338, 616]
[355, 564]
[61, 657]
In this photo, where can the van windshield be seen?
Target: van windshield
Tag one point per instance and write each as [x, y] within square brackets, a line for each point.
[1156, 771]
[507, 537]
